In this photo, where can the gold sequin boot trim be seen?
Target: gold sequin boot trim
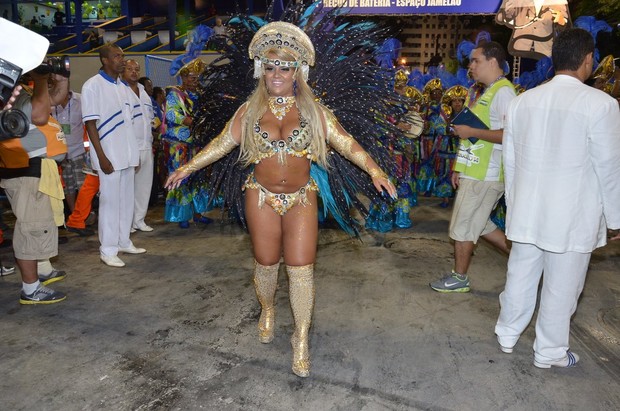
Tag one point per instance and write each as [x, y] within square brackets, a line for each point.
[265, 283]
[301, 291]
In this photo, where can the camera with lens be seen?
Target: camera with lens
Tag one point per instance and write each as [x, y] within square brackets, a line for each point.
[55, 65]
[13, 123]
[21, 50]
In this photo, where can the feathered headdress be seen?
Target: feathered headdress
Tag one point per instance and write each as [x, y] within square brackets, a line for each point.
[454, 92]
[432, 85]
[189, 62]
[401, 78]
[593, 26]
[605, 69]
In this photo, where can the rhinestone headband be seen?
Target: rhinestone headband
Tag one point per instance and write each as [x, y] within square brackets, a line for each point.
[284, 36]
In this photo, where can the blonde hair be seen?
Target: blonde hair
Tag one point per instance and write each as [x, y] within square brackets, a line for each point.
[307, 105]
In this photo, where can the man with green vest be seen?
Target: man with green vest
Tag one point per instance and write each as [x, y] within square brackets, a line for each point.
[478, 170]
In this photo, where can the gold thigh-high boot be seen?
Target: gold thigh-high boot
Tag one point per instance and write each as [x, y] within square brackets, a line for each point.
[265, 283]
[301, 292]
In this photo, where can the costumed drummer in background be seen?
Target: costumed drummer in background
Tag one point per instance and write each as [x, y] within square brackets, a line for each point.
[281, 130]
[434, 131]
[412, 125]
[383, 217]
[452, 103]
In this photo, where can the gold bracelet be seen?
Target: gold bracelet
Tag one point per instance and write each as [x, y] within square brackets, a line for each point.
[377, 173]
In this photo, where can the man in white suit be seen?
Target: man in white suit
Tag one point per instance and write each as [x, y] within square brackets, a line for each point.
[107, 114]
[142, 114]
[562, 165]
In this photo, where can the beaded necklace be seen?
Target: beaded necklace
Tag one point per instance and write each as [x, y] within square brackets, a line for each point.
[279, 106]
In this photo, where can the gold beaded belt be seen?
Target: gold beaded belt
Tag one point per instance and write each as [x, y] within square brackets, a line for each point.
[280, 202]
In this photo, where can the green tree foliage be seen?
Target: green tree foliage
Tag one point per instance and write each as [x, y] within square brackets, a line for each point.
[608, 10]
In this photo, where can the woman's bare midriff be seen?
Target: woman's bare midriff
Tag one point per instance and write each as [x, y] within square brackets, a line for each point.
[283, 178]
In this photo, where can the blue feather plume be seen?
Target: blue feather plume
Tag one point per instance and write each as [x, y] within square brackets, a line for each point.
[198, 39]
[388, 52]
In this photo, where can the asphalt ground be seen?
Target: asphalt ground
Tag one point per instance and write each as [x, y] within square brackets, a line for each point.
[176, 329]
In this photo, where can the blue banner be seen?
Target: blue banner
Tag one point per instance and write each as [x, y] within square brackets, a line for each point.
[416, 6]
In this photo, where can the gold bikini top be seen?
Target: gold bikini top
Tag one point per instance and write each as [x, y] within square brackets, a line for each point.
[297, 144]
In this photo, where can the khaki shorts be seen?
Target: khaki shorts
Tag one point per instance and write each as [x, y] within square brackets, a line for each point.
[475, 200]
[35, 236]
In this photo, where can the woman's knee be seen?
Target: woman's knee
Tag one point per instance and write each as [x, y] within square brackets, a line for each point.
[299, 259]
[298, 263]
[266, 260]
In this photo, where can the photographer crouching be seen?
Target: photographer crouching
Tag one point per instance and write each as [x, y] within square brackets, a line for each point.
[31, 144]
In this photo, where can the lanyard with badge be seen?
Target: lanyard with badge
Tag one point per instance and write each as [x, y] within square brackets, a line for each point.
[66, 128]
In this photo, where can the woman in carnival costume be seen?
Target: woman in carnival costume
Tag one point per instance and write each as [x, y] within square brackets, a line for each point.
[283, 140]
[452, 103]
[188, 200]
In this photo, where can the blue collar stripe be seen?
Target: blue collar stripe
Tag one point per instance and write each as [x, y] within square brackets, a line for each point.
[107, 77]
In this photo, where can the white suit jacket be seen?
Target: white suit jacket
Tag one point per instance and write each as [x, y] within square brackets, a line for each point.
[562, 166]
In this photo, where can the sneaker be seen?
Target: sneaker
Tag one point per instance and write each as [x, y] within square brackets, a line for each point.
[42, 295]
[132, 250]
[144, 227]
[55, 275]
[570, 360]
[132, 230]
[82, 232]
[505, 348]
[6, 270]
[112, 260]
[451, 283]
[91, 219]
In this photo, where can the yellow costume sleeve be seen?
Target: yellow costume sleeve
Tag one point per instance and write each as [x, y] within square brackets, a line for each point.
[216, 149]
[344, 144]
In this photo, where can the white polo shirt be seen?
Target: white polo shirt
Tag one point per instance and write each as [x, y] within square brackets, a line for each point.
[142, 115]
[107, 101]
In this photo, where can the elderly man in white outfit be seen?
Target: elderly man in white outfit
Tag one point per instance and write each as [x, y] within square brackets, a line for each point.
[142, 114]
[107, 113]
[562, 167]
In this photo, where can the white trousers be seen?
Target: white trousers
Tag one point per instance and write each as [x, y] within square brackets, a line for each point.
[142, 187]
[563, 280]
[116, 192]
